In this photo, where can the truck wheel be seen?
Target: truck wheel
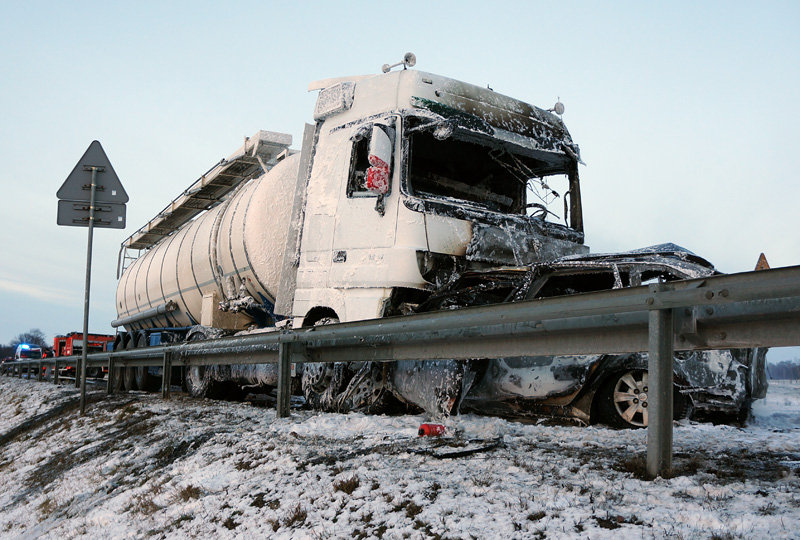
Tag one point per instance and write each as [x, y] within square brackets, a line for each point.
[323, 382]
[129, 373]
[118, 384]
[129, 379]
[622, 401]
[144, 379]
[197, 381]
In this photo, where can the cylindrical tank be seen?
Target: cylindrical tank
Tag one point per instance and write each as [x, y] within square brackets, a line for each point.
[239, 242]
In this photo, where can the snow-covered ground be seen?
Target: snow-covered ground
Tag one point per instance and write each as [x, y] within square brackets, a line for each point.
[137, 465]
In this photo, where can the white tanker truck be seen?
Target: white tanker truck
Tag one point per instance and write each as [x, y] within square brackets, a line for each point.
[406, 183]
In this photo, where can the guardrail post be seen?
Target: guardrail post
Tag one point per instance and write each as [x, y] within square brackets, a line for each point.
[110, 380]
[659, 393]
[19, 371]
[39, 372]
[166, 374]
[55, 371]
[284, 379]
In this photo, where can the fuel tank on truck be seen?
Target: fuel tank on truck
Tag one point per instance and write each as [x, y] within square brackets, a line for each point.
[235, 248]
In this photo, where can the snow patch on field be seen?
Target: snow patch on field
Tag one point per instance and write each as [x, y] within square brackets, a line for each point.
[136, 465]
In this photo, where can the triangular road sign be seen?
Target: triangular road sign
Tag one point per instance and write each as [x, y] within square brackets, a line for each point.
[77, 186]
[762, 263]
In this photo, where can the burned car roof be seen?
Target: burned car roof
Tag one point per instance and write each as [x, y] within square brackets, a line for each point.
[586, 272]
[667, 255]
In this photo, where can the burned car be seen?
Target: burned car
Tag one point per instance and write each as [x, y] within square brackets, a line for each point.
[606, 388]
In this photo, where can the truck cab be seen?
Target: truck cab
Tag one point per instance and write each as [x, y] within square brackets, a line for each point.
[416, 178]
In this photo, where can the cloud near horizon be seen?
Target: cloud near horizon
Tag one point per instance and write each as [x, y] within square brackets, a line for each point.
[39, 292]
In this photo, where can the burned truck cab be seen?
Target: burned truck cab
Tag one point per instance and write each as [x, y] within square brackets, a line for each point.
[417, 178]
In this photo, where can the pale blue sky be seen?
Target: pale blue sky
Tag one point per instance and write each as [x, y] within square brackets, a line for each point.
[686, 114]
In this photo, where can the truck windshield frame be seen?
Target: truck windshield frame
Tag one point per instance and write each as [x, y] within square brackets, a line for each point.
[480, 172]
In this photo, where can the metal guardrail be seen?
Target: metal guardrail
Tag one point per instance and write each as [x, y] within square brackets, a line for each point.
[750, 309]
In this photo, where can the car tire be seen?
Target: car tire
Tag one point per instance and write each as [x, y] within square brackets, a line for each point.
[621, 401]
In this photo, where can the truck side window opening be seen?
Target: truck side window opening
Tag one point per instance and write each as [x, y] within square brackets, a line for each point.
[359, 163]
[483, 176]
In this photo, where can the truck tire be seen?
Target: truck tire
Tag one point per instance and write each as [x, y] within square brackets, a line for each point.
[144, 379]
[129, 379]
[322, 382]
[197, 381]
[129, 373]
[200, 383]
[118, 384]
[621, 401]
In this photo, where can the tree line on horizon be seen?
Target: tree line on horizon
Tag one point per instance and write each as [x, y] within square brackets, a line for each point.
[786, 369]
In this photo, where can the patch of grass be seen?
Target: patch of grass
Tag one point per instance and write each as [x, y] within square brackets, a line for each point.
[144, 505]
[768, 509]
[275, 524]
[615, 522]
[689, 467]
[244, 465]
[181, 519]
[608, 522]
[347, 485]
[230, 523]
[260, 501]
[482, 480]
[723, 535]
[421, 525]
[412, 509]
[297, 516]
[189, 492]
[47, 506]
[433, 491]
[635, 465]
[536, 516]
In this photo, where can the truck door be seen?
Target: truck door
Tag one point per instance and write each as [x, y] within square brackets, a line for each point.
[366, 220]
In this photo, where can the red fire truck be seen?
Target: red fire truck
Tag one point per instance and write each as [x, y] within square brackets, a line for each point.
[72, 345]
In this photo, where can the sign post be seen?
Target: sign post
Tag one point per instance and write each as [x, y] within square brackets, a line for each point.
[103, 207]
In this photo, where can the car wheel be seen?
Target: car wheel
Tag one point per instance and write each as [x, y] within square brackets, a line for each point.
[622, 400]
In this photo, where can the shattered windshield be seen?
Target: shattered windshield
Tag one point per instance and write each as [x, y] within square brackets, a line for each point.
[482, 174]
